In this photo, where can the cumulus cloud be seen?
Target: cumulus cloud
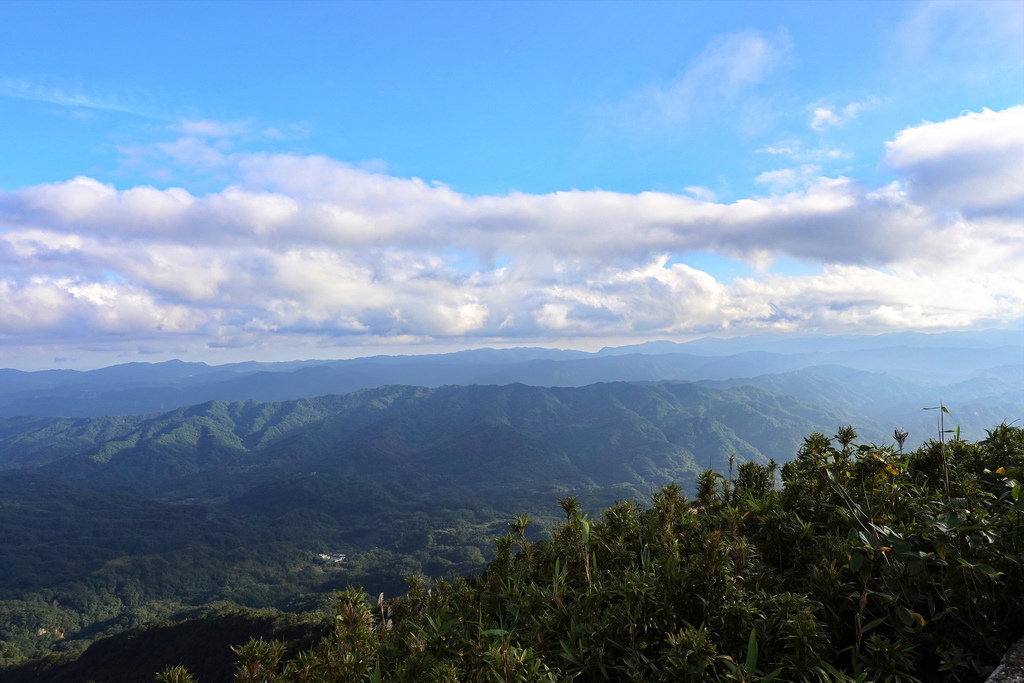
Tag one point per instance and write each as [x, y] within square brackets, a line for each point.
[307, 247]
[973, 163]
[315, 201]
[79, 308]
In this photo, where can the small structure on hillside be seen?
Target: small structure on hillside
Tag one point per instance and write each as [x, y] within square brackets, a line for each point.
[332, 557]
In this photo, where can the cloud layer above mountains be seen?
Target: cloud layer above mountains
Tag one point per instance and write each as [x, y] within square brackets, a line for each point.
[310, 250]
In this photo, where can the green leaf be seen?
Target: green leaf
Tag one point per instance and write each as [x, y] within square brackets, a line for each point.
[873, 624]
[751, 664]
[884, 597]
[496, 632]
[987, 570]
[832, 670]
[567, 653]
[905, 615]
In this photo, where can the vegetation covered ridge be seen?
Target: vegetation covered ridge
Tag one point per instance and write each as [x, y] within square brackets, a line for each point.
[851, 563]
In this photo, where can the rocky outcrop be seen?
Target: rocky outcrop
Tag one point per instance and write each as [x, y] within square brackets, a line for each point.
[1011, 669]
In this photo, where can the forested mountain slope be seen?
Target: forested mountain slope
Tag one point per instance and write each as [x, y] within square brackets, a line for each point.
[110, 522]
[478, 436]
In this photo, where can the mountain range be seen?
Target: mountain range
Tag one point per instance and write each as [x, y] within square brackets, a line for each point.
[488, 440]
[879, 381]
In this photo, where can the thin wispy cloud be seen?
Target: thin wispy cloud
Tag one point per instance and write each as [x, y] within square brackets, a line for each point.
[798, 151]
[240, 130]
[790, 179]
[728, 68]
[961, 41]
[209, 128]
[77, 97]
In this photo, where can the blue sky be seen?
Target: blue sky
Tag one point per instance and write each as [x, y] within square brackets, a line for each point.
[519, 173]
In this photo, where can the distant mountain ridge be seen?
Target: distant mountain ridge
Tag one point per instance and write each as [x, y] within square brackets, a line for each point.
[484, 438]
[925, 368]
[881, 400]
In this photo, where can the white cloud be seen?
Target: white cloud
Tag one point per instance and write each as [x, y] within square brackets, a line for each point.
[309, 249]
[973, 163]
[318, 202]
[702, 193]
[77, 308]
[209, 128]
[848, 298]
[795, 150]
[824, 117]
[787, 179]
[34, 306]
[829, 116]
[244, 129]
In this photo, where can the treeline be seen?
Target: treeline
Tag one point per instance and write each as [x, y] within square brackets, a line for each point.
[850, 563]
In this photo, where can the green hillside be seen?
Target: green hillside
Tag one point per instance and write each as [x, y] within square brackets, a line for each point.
[594, 436]
[111, 522]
